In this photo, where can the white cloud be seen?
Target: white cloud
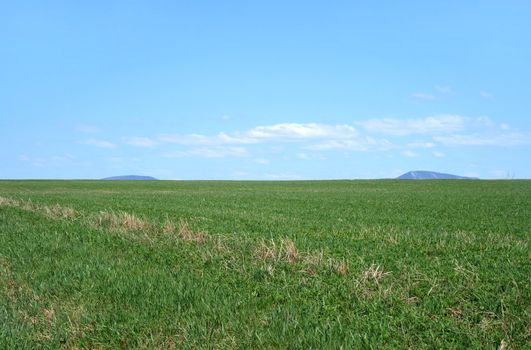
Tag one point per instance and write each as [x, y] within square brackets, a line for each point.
[475, 139]
[306, 138]
[209, 152]
[284, 132]
[487, 95]
[402, 127]
[198, 139]
[409, 153]
[99, 143]
[421, 144]
[301, 131]
[313, 156]
[423, 96]
[362, 144]
[139, 141]
[311, 136]
[438, 154]
[482, 131]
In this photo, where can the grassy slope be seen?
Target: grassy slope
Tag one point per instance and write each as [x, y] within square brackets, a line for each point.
[454, 256]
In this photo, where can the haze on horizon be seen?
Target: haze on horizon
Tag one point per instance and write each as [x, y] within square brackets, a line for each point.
[264, 90]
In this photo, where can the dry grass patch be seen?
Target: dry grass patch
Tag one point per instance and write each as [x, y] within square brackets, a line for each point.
[454, 312]
[78, 327]
[340, 267]
[268, 251]
[131, 222]
[120, 221]
[29, 206]
[49, 315]
[411, 300]
[9, 202]
[503, 345]
[374, 274]
[188, 235]
[55, 212]
[105, 219]
[286, 251]
[290, 250]
[168, 227]
[315, 259]
[58, 212]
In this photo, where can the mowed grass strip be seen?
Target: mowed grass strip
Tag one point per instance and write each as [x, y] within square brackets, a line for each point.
[206, 282]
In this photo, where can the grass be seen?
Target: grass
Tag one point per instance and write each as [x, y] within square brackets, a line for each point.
[322, 264]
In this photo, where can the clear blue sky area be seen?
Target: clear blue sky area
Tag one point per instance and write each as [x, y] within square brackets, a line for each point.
[264, 89]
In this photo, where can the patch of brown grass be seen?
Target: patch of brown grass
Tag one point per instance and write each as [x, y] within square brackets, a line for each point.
[188, 235]
[9, 202]
[267, 251]
[29, 206]
[340, 267]
[315, 258]
[455, 312]
[120, 221]
[503, 345]
[54, 212]
[76, 328]
[290, 250]
[218, 246]
[374, 273]
[12, 290]
[131, 222]
[168, 227]
[58, 212]
[286, 251]
[49, 315]
[411, 300]
[106, 219]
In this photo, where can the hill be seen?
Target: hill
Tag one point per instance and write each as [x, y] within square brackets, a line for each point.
[130, 177]
[431, 175]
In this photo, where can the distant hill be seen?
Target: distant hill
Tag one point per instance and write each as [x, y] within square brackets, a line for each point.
[427, 175]
[130, 177]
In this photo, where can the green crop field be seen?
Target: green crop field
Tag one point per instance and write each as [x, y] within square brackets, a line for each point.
[274, 265]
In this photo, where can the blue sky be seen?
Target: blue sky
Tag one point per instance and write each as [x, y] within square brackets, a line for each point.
[264, 89]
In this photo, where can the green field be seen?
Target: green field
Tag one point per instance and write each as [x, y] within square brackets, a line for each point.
[252, 265]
